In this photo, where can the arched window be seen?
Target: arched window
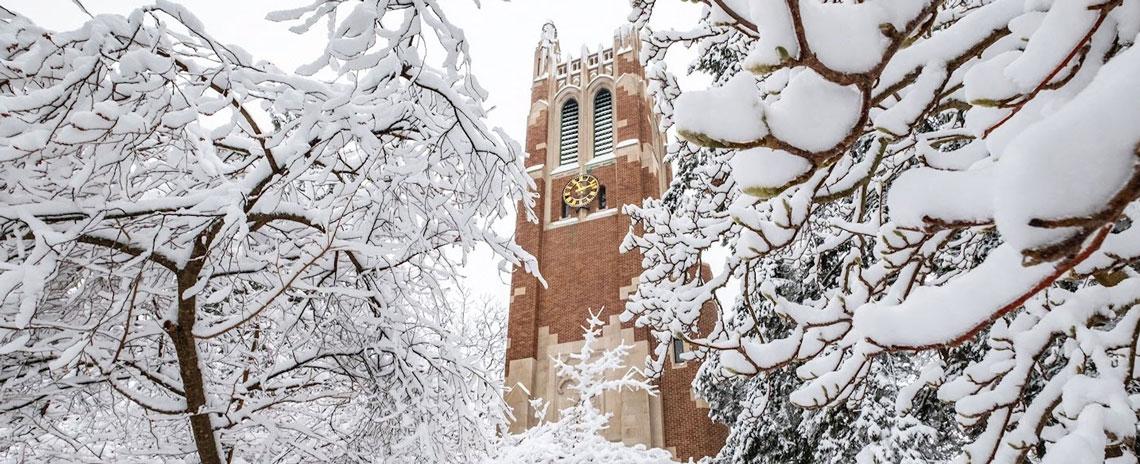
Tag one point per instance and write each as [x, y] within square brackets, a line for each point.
[603, 123]
[602, 197]
[568, 135]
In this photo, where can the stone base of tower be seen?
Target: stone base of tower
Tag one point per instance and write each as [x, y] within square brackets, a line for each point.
[636, 417]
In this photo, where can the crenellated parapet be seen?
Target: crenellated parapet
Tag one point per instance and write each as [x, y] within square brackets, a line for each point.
[567, 70]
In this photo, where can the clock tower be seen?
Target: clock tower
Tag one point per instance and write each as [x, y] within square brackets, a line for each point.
[594, 146]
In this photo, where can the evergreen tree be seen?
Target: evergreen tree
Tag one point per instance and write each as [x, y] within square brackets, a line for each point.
[950, 189]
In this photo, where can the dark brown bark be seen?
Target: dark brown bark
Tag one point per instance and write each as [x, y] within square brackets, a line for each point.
[189, 368]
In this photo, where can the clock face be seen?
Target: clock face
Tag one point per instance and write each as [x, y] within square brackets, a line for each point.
[580, 191]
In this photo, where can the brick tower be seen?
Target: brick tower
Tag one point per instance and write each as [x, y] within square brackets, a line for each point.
[591, 125]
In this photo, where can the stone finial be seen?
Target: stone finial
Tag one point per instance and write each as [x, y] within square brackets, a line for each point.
[546, 55]
[549, 40]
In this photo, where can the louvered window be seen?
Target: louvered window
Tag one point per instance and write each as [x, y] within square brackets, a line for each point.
[568, 138]
[603, 123]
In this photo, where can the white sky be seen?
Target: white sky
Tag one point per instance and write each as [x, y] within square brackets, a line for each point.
[501, 38]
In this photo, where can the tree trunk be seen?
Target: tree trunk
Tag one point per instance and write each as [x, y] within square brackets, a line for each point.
[182, 332]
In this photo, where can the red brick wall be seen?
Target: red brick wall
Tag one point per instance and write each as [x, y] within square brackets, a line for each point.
[581, 262]
[688, 428]
[536, 134]
[522, 332]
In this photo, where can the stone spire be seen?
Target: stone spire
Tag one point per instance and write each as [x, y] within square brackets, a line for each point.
[547, 53]
[549, 40]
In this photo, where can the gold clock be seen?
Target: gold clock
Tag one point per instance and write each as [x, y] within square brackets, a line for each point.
[580, 191]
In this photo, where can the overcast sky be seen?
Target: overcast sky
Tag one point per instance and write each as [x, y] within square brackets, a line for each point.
[501, 36]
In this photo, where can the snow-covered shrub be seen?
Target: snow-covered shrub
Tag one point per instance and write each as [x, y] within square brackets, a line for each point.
[576, 437]
[958, 178]
[204, 258]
